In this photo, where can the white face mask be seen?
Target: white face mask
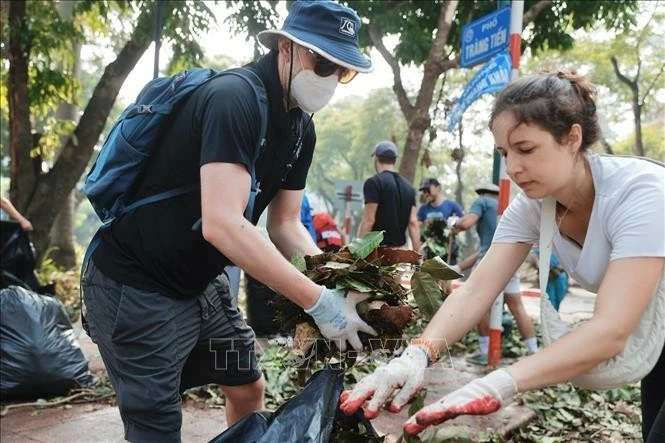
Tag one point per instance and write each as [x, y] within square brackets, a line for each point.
[312, 92]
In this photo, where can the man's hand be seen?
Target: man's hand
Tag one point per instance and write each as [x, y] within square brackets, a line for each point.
[406, 372]
[337, 318]
[479, 397]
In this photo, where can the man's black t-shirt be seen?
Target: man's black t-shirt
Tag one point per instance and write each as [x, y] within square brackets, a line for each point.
[395, 197]
[154, 247]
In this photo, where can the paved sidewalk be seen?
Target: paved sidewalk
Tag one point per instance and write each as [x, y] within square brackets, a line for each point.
[95, 423]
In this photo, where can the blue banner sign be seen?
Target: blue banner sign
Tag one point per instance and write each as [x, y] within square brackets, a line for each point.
[492, 77]
[485, 37]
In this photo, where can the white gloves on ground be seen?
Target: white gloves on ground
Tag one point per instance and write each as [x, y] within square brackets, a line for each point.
[479, 397]
[406, 372]
[337, 318]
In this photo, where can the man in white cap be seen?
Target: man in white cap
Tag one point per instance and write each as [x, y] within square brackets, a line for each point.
[390, 201]
[483, 215]
[161, 317]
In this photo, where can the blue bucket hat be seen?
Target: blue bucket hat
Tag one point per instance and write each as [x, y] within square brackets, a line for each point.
[325, 27]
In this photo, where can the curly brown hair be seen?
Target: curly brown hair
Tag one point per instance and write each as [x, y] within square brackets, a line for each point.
[555, 101]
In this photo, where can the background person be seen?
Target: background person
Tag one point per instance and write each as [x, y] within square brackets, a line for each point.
[609, 235]
[328, 236]
[483, 215]
[390, 201]
[7, 206]
[306, 217]
[436, 207]
[557, 280]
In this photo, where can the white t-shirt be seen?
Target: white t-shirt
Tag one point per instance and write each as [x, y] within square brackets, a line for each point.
[627, 219]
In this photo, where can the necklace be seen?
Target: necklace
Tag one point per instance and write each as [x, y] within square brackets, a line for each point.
[572, 203]
[560, 218]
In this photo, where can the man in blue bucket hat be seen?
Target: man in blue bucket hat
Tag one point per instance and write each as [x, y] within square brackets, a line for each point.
[158, 304]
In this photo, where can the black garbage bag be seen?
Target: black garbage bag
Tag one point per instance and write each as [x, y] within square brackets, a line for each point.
[17, 257]
[39, 355]
[307, 417]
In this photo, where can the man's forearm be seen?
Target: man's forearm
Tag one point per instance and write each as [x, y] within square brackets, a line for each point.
[292, 238]
[414, 234]
[243, 243]
[365, 227]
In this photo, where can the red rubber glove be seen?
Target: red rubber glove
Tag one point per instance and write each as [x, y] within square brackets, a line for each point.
[479, 397]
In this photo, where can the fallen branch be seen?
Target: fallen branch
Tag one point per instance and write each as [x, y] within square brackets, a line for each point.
[45, 404]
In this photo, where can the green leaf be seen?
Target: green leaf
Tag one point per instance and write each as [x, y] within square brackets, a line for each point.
[358, 285]
[299, 262]
[565, 415]
[439, 269]
[362, 247]
[427, 293]
[418, 402]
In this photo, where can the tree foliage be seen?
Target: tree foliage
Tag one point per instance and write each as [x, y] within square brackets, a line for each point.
[37, 60]
[638, 53]
[346, 133]
[428, 35]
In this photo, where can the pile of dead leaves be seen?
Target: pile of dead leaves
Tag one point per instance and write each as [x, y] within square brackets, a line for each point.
[568, 413]
[379, 272]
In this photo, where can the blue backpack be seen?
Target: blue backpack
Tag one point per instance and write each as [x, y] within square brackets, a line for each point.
[134, 136]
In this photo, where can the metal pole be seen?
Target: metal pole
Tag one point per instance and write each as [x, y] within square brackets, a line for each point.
[496, 314]
[347, 210]
[158, 36]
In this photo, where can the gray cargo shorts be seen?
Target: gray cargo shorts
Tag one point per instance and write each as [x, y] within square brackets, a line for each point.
[154, 347]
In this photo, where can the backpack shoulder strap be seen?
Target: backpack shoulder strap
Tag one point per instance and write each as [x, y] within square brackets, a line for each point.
[262, 98]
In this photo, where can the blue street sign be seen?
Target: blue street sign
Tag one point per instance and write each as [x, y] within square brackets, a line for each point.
[483, 38]
[492, 77]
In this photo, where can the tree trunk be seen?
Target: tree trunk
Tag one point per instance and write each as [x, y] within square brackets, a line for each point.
[637, 116]
[20, 127]
[417, 127]
[459, 190]
[606, 146]
[55, 187]
[634, 86]
[417, 115]
[62, 234]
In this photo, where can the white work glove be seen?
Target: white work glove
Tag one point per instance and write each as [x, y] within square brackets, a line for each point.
[479, 397]
[406, 372]
[337, 318]
[450, 221]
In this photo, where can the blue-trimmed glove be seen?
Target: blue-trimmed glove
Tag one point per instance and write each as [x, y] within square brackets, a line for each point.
[337, 318]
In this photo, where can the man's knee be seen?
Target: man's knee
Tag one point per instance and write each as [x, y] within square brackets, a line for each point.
[150, 415]
[249, 392]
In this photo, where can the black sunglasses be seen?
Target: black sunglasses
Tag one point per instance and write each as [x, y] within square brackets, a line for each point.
[325, 68]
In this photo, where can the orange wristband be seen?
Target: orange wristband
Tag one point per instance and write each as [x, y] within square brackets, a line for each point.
[428, 346]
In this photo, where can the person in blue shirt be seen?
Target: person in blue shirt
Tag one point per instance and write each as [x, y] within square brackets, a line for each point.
[436, 206]
[306, 216]
[483, 214]
[557, 281]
